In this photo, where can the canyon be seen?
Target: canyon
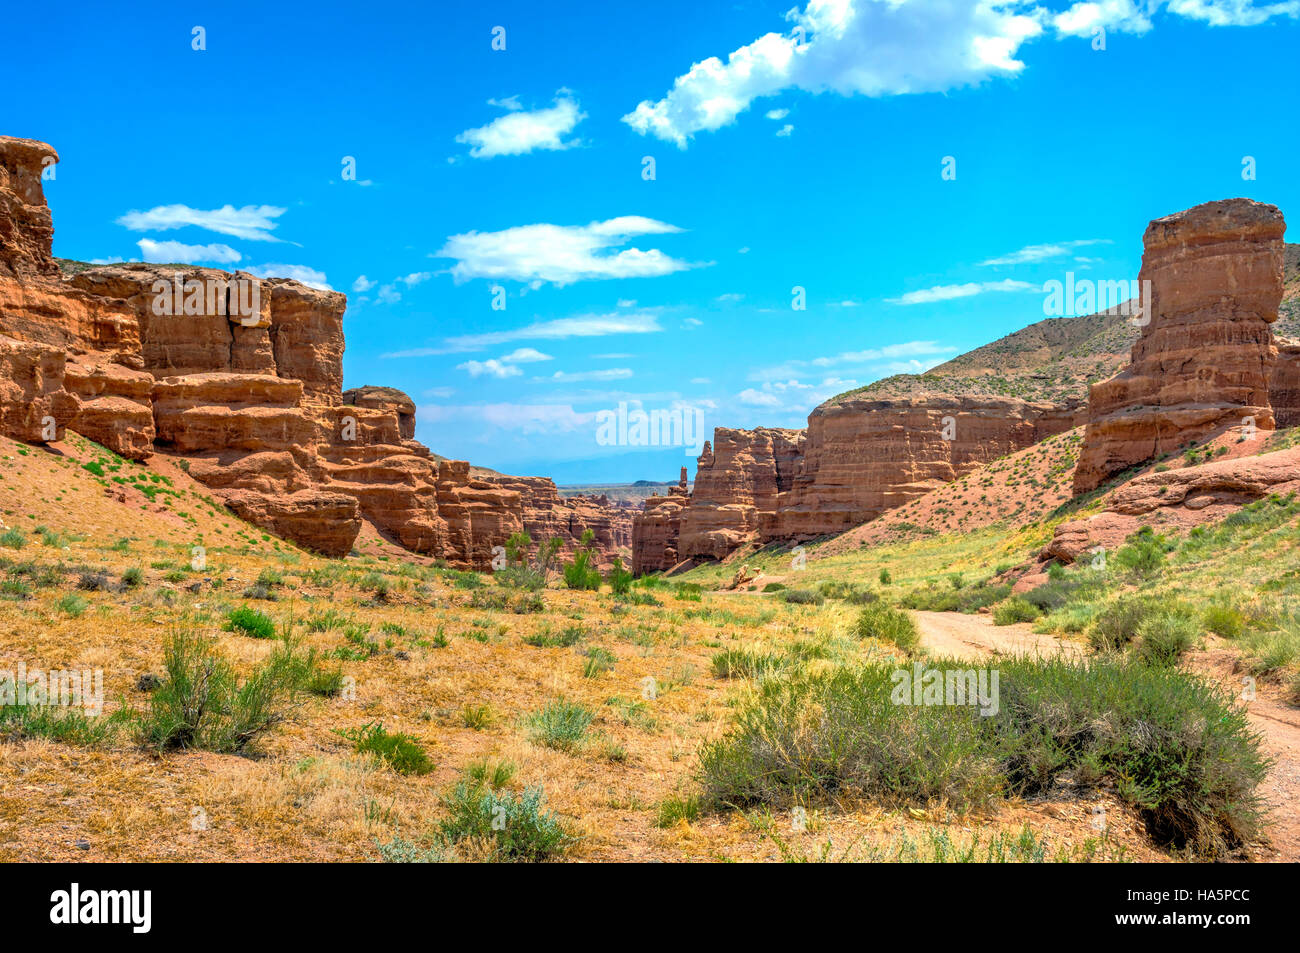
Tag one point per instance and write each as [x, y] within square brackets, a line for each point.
[1202, 361]
[241, 379]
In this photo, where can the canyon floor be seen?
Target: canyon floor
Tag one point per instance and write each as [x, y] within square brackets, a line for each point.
[606, 702]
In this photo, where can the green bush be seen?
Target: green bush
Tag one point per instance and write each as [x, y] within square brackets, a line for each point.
[248, 621]
[561, 725]
[802, 597]
[1224, 620]
[744, 663]
[1173, 745]
[1143, 552]
[883, 622]
[674, 809]
[1117, 622]
[1166, 635]
[885, 577]
[774, 587]
[13, 538]
[202, 703]
[1015, 610]
[399, 751]
[582, 572]
[512, 827]
[620, 580]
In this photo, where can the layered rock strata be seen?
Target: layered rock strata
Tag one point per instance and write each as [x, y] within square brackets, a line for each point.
[1205, 357]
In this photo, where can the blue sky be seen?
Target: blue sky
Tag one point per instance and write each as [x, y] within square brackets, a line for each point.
[808, 154]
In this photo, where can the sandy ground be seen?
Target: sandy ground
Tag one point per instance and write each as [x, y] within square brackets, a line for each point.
[976, 637]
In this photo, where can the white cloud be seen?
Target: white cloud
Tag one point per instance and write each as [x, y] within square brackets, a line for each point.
[489, 368]
[627, 302]
[561, 254]
[967, 290]
[612, 374]
[730, 296]
[584, 326]
[611, 357]
[897, 47]
[362, 284]
[252, 222]
[308, 276]
[1033, 253]
[871, 47]
[701, 380]
[519, 132]
[442, 393]
[785, 131]
[506, 102]
[169, 252]
[777, 114]
[388, 294]
[691, 322]
[526, 355]
[416, 278]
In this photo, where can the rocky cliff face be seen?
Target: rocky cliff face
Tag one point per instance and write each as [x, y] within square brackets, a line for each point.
[863, 457]
[737, 480]
[858, 458]
[243, 377]
[1205, 358]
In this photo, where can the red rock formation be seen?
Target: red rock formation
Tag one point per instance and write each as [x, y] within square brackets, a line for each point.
[737, 478]
[655, 530]
[546, 515]
[1284, 387]
[1205, 357]
[243, 376]
[1182, 498]
[863, 457]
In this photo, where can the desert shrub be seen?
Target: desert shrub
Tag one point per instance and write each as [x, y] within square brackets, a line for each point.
[66, 725]
[1271, 652]
[598, 662]
[1173, 745]
[202, 703]
[745, 663]
[13, 538]
[582, 573]
[802, 597]
[1015, 610]
[95, 580]
[524, 568]
[1224, 620]
[561, 724]
[675, 808]
[1143, 553]
[619, 579]
[326, 621]
[248, 621]
[884, 622]
[1118, 621]
[847, 591]
[689, 592]
[636, 597]
[935, 598]
[885, 577]
[774, 587]
[1064, 587]
[257, 590]
[1166, 634]
[71, 604]
[132, 577]
[399, 751]
[507, 826]
[546, 638]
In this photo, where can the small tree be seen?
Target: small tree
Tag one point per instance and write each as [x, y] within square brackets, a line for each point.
[619, 579]
[525, 569]
[582, 572]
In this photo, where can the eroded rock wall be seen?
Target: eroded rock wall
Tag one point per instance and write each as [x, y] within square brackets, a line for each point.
[1205, 357]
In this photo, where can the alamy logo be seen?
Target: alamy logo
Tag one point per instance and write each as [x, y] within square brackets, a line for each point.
[36, 688]
[934, 686]
[133, 907]
[236, 298]
[679, 427]
[1078, 298]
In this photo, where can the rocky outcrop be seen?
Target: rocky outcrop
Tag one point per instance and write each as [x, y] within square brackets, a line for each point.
[243, 377]
[1205, 358]
[737, 479]
[655, 530]
[1181, 498]
[1284, 386]
[864, 457]
[546, 515]
[26, 226]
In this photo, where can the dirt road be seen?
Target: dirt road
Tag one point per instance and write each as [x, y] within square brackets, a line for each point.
[963, 636]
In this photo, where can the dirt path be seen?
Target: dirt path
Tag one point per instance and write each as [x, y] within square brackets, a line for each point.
[964, 636]
[976, 637]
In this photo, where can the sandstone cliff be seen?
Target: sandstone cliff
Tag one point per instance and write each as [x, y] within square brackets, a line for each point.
[243, 378]
[1205, 358]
